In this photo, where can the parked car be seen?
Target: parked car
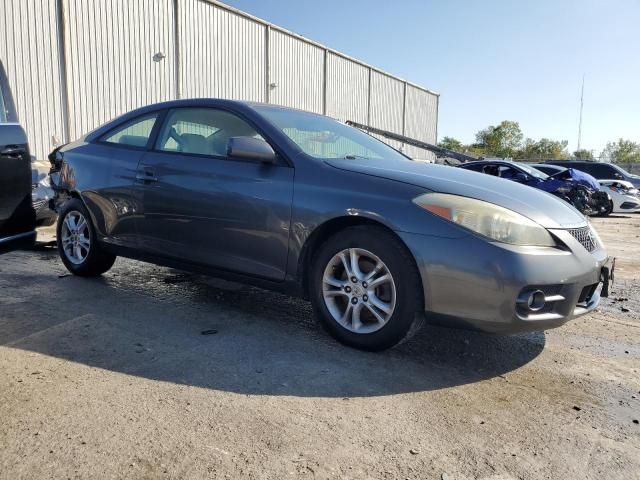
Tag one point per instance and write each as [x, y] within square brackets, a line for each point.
[599, 170]
[625, 197]
[303, 204]
[575, 187]
[17, 216]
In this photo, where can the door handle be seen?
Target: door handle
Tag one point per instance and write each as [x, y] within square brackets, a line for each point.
[146, 176]
[12, 151]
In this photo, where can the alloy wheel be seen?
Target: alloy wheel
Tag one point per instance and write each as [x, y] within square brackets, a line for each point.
[359, 290]
[76, 239]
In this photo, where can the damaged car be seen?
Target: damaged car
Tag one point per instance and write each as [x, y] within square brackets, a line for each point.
[573, 186]
[303, 204]
[624, 195]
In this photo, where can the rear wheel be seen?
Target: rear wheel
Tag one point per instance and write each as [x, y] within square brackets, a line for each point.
[77, 244]
[366, 289]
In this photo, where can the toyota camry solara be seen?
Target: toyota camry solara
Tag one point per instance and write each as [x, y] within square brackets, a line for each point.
[303, 204]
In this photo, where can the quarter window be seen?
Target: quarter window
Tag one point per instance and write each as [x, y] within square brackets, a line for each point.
[202, 131]
[135, 133]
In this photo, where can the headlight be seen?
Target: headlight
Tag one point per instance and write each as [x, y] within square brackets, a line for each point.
[487, 219]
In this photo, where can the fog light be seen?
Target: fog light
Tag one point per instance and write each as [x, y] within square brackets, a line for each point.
[535, 300]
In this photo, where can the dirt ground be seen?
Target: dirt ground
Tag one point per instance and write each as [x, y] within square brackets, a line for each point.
[113, 378]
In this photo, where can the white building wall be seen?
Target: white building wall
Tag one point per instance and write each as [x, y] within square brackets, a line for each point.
[30, 58]
[113, 50]
[296, 71]
[347, 89]
[221, 54]
[74, 64]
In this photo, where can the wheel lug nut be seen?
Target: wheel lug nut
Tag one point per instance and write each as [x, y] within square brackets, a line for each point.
[354, 300]
[365, 298]
[364, 284]
[354, 279]
[347, 289]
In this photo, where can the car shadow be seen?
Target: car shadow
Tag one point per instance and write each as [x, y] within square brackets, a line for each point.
[166, 325]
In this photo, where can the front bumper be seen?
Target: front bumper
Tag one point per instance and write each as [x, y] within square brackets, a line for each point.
[472, 283]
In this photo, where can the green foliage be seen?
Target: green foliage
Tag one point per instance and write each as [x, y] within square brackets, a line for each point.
[499, 141]
[544, 149]
[583, 154]
[451, 143]
[622, 151]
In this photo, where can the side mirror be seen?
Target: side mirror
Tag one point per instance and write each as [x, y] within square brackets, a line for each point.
[521, 177]
[251, 148]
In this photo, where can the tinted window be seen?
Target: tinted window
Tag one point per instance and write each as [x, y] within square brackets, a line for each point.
[203, 131]
[600, 170]
[134, 133]
[323, 137]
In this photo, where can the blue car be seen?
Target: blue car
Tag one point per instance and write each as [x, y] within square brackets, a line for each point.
[574, 186]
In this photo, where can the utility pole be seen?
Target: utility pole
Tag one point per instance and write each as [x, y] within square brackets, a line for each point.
[581, 105]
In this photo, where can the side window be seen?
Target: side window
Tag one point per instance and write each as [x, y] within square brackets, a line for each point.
[134, 133]
[202, 131]
[603, 171]
[584, 167]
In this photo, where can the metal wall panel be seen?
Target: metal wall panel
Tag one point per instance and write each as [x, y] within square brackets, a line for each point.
[347, 89]
[30, 57]
[221, 54]
[113, 50]
[421, 119]
[297, 70]
[387, 98]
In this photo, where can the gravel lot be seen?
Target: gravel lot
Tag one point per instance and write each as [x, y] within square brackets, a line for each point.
[113, 378]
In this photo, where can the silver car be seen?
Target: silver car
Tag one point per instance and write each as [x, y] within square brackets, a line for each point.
[301, 203]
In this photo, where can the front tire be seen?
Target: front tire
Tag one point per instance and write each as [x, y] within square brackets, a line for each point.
[366, 289]
[77, 243]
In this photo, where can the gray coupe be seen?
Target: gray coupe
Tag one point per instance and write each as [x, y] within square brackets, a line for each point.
[304, 204]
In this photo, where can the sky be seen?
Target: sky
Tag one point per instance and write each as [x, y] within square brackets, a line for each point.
[493, 60]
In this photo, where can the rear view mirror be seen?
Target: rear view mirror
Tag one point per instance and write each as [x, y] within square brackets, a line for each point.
[251, 148]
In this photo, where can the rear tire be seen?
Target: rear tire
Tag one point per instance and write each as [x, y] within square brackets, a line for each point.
[382, 285]
[77, 243]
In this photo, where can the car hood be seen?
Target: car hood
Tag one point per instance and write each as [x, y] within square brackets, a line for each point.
[541, 207]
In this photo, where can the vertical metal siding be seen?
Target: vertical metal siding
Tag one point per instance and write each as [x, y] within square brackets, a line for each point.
[29, 54]
[221, 54]
[110, 47]
[421, 119]
[387, 97]
[296, 67]
[347, 89]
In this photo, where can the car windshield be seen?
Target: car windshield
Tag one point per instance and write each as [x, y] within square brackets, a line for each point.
[533, 171]
[323, 137]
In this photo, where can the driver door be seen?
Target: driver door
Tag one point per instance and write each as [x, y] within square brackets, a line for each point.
[203, 207]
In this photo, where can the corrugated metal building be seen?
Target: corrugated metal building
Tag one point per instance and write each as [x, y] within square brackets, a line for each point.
[74, 64]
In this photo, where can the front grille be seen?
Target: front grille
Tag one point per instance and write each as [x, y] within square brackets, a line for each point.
[585, 237]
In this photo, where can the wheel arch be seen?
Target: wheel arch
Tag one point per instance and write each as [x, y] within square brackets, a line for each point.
[329, 228]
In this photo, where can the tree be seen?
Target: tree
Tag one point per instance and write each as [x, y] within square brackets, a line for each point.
[451, 143]
[622, 151]
[583, 154]
[499, 141]
[544, 149]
